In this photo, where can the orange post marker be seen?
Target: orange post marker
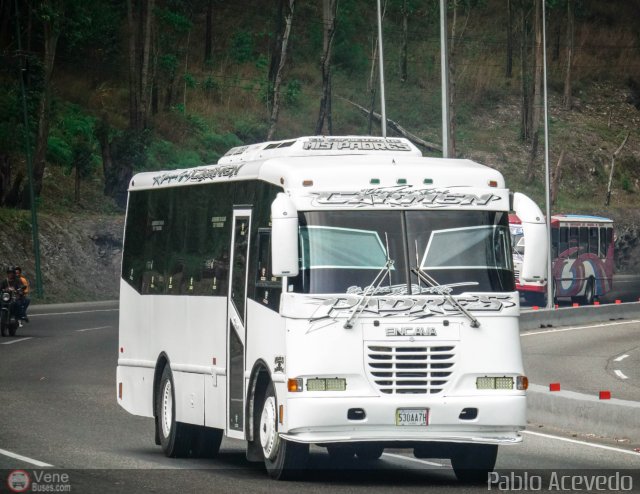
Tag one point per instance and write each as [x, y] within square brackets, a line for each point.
[576, 304]
[554, 387]
[535, 307]
[618, 301]
[596, 303]
[605, 395]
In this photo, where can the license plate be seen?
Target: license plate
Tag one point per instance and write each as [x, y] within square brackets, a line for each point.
[412, 416]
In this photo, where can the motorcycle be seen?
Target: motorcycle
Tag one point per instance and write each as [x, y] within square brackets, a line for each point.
[9, 312]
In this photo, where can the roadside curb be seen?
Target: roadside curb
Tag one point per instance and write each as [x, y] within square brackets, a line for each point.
[74, 306]
[583, 413]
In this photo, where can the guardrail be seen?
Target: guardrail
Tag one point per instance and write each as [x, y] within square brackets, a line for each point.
[546, 318]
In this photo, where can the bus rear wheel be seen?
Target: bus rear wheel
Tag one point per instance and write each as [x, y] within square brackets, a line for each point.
[369, 452]
[283, 459]
[589, 292]
[175, 437]
[473, 462]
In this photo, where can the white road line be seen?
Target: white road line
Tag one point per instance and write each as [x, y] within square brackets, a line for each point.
[17, 341]
[621, 358]
[24, 458]
[75, 312]
[91, 329]
[620, 374]
[425, 462]
[560, 330]
[583, 443]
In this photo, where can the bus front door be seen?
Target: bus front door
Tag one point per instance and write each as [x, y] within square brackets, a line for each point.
[236, 322]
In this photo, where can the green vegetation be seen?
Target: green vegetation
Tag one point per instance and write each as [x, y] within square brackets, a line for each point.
[178, 103]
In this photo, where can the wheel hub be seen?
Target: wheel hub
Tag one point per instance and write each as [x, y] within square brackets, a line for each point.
[269, 438]
[167, 409]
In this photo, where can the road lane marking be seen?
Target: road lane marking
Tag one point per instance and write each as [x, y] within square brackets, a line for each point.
[74, 312]
[17, 341]
[621, 358]
[91, 329]
[620, 374]
[560, 330]
[583, 443]
[16, 456]
[424, 462]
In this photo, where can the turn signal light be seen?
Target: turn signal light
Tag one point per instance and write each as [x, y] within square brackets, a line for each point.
[294, 385]
[522, 383]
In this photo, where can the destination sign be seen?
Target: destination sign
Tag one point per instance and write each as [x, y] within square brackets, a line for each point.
[355, 144]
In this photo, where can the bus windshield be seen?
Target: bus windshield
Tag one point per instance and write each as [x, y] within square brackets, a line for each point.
[343, 251]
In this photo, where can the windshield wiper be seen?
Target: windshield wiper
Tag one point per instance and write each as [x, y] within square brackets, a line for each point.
[436, 289]
[445, 291]
[368, 293]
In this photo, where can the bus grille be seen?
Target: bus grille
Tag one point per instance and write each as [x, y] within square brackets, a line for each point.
[404, 369]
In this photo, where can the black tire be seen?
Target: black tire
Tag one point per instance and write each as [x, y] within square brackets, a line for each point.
[369, 452]
[175, 438]
[13, 328]
[4, 324]
[341, 452]
[284, 460]
[473, 462]
[535, 298]
[589, 293]
[207, 442]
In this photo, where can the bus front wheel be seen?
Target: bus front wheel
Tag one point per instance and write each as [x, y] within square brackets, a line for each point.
[175, 437]
[473, 462]
[283, 459]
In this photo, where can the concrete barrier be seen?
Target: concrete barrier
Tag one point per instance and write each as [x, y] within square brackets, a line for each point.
[586, 414]
[546, 318]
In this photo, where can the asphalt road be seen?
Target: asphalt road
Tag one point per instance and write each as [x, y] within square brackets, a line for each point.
[58, 408]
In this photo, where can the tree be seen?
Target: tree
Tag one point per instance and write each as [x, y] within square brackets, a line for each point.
[51, 14]
[537, 89]
[509, 65]
[275, 106]
[566, 99]
[329, 11]
[208, 33]
[525, 78]
[403, 45]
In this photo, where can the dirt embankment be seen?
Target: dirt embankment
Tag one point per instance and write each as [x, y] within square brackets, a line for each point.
[80, 255]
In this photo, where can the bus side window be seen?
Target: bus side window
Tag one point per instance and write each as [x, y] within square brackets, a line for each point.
[555, 233]
[583, 244]
[268, 288]
[573, 242]
[563, 244]
[593, 240]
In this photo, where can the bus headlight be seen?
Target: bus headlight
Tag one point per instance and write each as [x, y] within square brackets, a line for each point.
[487, 382]
[330, 384]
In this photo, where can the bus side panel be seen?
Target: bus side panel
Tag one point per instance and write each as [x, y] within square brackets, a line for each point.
[189, 394]
[265, 340]
[137, 390]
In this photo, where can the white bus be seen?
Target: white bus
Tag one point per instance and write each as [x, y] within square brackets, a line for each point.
[341, 291]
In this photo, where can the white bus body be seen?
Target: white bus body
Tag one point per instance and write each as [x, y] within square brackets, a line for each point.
[333, 336]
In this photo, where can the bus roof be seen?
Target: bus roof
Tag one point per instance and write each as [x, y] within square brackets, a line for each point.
[313, 165]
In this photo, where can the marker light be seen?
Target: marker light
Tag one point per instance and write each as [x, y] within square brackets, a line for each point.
[493, 183]
[307, 183]
[427, 181]
[401, 181]
[294, 385]
[374, 181]
[281, 414]
[120, 390]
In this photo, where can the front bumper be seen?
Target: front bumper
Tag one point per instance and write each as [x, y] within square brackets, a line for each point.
[324, 420]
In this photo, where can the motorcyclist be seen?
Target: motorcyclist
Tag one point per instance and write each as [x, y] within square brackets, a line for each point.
[26, 300]
[13, 283]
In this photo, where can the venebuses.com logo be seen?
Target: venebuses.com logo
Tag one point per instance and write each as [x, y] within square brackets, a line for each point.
[18, 481]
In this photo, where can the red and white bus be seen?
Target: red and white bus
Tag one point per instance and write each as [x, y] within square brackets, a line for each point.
[581, 254]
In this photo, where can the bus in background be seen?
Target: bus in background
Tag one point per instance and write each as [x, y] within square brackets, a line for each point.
[345, 292]
[581, 256]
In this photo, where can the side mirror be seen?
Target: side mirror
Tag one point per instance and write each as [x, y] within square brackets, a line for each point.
[284, 237]
[534, 227]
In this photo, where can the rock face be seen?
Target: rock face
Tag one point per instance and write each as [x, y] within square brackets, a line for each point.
[627, 249]
[80, 255]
